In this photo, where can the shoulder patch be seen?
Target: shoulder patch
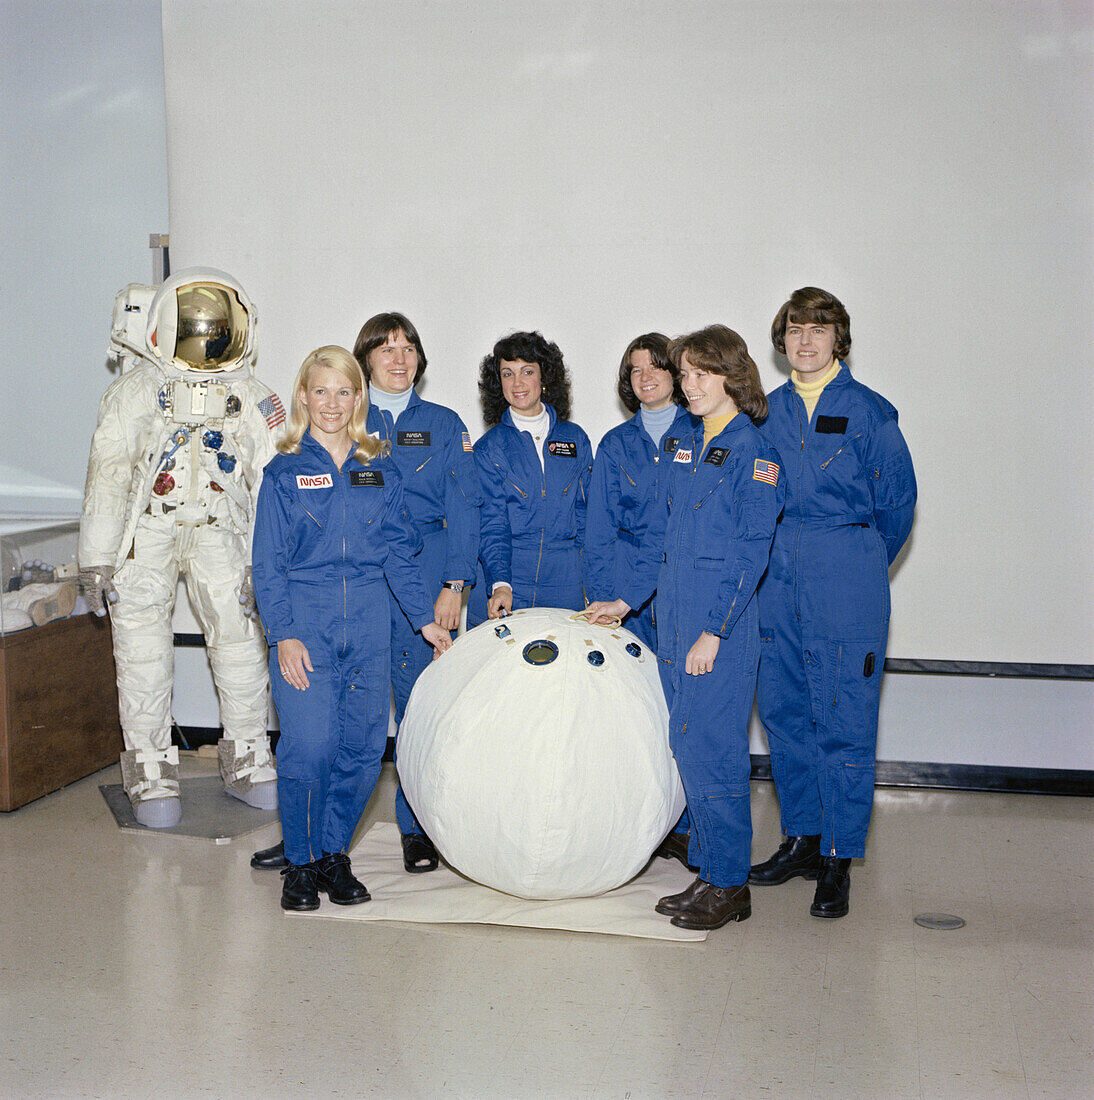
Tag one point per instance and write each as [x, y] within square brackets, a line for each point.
[765, 471]
[467, 443]
[272, 409]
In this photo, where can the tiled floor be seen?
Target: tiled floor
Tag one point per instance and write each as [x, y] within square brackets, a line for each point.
[160, 967]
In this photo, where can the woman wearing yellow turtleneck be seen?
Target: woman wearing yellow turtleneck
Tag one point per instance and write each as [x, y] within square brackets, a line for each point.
[711, 538]
[824, 604]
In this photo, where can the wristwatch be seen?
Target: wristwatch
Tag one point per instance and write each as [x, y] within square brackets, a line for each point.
[453, 586]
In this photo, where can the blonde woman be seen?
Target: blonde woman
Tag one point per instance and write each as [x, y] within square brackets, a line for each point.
[331, 534]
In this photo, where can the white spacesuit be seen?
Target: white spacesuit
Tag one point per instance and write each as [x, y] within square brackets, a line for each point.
[172, 481]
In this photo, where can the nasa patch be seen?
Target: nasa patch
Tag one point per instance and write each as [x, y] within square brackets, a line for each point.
[561, 448]
[314, 481]
[683, 456]
[716, 456]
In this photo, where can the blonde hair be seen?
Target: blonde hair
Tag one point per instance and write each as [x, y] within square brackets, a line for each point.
[342, 361]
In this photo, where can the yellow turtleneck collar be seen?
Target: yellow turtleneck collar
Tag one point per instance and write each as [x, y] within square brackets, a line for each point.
[810, 392]
[712, 425]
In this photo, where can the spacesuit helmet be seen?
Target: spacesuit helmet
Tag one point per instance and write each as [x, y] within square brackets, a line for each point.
[201, 321]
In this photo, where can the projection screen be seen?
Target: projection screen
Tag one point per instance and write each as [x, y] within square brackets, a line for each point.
[599, 170]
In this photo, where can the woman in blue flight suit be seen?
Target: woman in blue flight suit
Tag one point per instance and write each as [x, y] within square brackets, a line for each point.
[722, 498]
[534, 468]
[624, 482]
[432, 451]
[330, 528]
[624, 490]
[824, 606]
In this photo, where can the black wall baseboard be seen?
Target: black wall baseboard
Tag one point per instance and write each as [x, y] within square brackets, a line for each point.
[968, 777]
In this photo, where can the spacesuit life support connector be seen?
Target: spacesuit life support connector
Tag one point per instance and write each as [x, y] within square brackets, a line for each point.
[175, 467]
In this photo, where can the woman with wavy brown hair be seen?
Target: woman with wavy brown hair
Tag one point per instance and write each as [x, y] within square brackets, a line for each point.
[707, 548]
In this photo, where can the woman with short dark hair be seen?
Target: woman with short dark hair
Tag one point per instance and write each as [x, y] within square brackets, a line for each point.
[624, 483]
[824, 605]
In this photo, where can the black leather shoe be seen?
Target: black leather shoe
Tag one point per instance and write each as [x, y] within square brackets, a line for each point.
[270, 858]
[797, 855]
[336, 880]
[675, 846]
[298, 891]
[671, 905]
[713, 906]
[419, 855]
[832, 898]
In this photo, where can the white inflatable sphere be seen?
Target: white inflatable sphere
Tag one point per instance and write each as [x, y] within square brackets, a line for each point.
[535, 755]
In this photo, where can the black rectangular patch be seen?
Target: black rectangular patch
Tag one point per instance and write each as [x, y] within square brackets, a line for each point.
[412, 439]
[561, 448]
[716, 456]
[670, 444]
[357, 478]
[831, 425]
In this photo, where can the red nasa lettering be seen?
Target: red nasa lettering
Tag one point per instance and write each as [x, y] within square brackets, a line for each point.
[314, 481]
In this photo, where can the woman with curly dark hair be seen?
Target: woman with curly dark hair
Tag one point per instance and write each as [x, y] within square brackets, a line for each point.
[534, 466]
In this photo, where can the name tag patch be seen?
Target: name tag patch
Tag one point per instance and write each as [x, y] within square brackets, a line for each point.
[412, 439]
[683, 456]
[831, 425]
[357, 478]
[670, 444]
[561, 448]
[314, 481]
[716, 456]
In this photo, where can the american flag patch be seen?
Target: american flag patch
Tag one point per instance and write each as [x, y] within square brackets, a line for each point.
[467, 443]
[272, 409]
[765, 471]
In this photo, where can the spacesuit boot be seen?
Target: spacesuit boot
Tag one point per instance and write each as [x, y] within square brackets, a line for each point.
[43, 602]
[151, 781]
[248, 771]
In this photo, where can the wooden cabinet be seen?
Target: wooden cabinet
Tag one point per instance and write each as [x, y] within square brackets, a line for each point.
[58, 707]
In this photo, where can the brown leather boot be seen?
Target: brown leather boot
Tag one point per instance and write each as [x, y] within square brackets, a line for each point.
[713, 906]
[675, 846]
[672, 904]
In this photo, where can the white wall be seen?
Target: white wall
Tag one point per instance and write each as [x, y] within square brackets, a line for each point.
[84, 183]
[600, 169]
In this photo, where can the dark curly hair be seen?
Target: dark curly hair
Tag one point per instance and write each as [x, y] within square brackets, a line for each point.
[529, 347]
[812, 306]
[658, 347]
[376, 330]
[717, 349]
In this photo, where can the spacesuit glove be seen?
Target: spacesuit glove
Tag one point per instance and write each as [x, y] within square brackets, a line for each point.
[98, 585]
[247, 595]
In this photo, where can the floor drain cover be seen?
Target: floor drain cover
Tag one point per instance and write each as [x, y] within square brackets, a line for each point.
[940, 922]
